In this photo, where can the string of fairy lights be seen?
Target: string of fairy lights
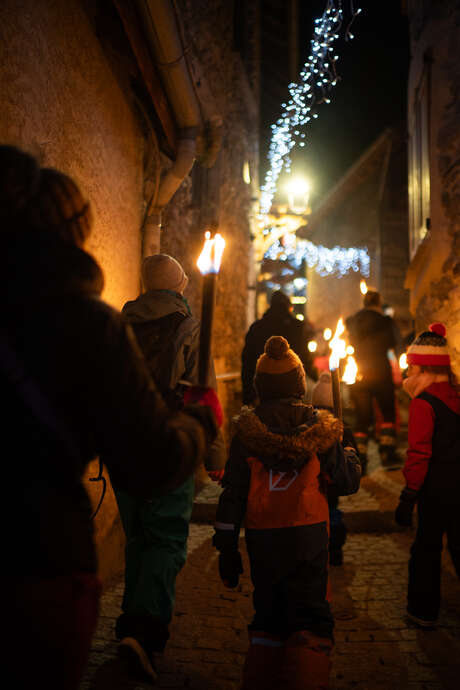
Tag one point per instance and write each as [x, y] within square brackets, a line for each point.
[338, 260]
[317, 79]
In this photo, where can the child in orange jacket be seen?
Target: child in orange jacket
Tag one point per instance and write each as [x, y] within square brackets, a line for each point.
[281, 457]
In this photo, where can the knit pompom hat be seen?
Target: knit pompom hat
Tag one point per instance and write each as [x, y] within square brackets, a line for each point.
[430, 348]
[163, 272]
[279, 371]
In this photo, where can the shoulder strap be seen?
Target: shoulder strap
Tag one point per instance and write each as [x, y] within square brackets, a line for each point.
[41, 408]
[438, 405]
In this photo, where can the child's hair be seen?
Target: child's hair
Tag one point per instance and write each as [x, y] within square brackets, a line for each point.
[443, 369]
[60, 207]
[41, 198]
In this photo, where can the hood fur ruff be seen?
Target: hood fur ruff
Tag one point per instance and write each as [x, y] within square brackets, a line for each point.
[297, 447]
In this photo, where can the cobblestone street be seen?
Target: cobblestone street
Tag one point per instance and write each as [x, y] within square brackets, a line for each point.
[376, 648]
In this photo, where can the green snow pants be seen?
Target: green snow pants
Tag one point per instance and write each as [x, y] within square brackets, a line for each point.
[156, 549]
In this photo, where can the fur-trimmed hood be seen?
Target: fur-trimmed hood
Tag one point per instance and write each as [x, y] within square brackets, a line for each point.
[285, 433]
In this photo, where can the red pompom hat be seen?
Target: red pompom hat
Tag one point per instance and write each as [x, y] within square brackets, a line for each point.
[430, 348]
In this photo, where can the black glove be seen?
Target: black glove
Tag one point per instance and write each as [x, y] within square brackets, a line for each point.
[403, 513]
[230, 568]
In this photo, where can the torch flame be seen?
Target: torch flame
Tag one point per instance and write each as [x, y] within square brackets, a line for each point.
[211, 254]
[363, 287]
[338, 346]
[403, 361]
[351, 370]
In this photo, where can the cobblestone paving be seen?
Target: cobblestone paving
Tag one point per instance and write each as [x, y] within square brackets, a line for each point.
[375, 649]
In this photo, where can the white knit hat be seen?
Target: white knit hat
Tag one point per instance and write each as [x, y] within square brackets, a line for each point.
[322, 391]
[162, 272]
[430, 348]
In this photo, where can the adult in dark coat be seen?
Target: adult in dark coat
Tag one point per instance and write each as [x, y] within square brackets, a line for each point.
[372, 334]
[74, 386]
[277, 320]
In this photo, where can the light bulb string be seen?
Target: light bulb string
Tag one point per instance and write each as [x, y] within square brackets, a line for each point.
[317, 78]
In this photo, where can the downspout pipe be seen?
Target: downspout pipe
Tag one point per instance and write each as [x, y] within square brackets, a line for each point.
[163, 36]
[170, 183]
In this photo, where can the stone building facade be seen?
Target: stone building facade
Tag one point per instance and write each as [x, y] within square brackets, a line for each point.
[366, 208]
[84, 86]
[434, 166]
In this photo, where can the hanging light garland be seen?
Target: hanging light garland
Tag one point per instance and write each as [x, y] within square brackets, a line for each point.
[325, 261]
[317, 79]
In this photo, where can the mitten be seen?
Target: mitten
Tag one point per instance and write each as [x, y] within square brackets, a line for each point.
[216, 475]
[405, 509]
[230, 568]
[203, 395]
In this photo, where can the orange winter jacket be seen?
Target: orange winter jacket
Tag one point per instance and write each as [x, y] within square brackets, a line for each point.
[287, 498]
[281, 457]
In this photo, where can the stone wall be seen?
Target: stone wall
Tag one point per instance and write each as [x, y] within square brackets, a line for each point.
[68, 106]
[435, 294]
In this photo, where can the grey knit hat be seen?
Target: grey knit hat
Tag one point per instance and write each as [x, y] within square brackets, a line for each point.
[163, 272]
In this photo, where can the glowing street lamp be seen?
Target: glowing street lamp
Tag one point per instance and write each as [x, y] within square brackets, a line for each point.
[298, 193]
[312, 346]
[327, 334]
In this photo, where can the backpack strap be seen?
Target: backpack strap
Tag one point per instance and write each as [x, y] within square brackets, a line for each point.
[41, 408]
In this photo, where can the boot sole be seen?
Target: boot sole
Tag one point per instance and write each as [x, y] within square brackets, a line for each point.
[135, 658]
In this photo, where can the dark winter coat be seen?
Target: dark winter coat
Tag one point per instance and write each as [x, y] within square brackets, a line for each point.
[281, 458]
[80, 354]
[169, 337]
[372, 334]
[275, 321]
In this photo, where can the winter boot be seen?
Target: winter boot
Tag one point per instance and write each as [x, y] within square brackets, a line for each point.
[140, 637]
[361, 442]
[307, 663]
[263, 660]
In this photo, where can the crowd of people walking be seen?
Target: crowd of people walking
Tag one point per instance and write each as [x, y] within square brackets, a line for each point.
[80, 381]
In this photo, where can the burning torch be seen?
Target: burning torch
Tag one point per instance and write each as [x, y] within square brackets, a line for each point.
[338, 352]
[209, 266]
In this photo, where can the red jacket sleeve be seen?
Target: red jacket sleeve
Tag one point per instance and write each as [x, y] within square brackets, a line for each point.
[420, 433]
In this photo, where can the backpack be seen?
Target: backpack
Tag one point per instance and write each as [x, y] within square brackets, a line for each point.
[161, 341]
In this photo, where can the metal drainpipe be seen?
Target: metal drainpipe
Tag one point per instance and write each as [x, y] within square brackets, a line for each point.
[162, 33]
[186, 151]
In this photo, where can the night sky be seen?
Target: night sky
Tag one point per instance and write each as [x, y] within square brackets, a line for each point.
[370, 96]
